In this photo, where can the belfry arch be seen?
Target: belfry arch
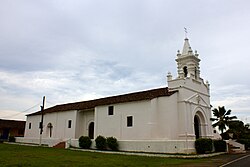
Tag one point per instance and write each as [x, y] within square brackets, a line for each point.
[185, 71]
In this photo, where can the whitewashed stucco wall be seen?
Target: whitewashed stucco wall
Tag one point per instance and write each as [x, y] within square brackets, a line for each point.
[167, 127]
[84, 118]
[34, 131]
[152, 119]
[59, 121]
[193, 99]
[116, 125]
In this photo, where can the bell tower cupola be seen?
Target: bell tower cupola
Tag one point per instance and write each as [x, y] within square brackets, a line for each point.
[188, 62]
[188, 71]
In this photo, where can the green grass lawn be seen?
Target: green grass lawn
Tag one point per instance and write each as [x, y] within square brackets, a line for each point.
[16, 155]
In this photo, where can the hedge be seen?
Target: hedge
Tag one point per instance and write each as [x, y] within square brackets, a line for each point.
[12, 139]
[85, 142]
[203, 145]
[112, 143]
[220, 145]
[101, 142]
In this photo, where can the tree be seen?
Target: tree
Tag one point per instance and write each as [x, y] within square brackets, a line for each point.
[222, 118]
[237, 128]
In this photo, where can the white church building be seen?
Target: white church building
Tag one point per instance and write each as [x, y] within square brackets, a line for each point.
[163, 120]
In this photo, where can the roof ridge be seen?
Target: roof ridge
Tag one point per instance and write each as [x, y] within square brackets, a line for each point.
[129, 97]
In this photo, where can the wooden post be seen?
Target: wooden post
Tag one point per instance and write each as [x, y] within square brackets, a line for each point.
[41, 123]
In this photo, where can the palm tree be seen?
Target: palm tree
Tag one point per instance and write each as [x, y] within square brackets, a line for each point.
[222, 118]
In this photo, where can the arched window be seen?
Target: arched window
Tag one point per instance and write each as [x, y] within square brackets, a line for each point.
[91, 130]
[185, 71]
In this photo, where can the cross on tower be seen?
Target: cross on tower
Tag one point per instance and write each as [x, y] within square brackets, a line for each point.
[185, 29]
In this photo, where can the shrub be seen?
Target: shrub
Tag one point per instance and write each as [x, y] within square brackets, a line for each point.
[101, 143]
[12, 139]
[225, 136]
[112, 143]
[85, 142]
[203, 145]
[220, 145]
[246, 142]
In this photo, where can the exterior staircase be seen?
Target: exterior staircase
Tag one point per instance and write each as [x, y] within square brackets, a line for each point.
[235, 147]
[60, 145]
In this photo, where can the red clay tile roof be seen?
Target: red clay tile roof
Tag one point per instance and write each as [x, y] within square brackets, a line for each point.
[137, 96]
[12, 124]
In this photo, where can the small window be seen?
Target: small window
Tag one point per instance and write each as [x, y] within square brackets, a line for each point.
[111, 110]
[214, 131]
[69, 123]
[129, 121]
[29, 125]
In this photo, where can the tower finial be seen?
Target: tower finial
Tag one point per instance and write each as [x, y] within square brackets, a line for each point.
[185, 30]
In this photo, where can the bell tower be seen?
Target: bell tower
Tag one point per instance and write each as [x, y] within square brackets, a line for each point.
[188, 69]
[188, 62]
[193, 98]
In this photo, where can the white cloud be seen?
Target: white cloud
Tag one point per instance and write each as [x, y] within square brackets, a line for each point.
[33, 81]
[235, 97]
[96, 79]
[78, 50]
[240, 103]
[15, 115]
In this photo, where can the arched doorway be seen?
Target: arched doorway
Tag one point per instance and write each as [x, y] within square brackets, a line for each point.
[197, 126]
[91, 130]
[200, 124]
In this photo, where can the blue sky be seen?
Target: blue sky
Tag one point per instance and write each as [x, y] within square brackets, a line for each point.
[84, 49]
